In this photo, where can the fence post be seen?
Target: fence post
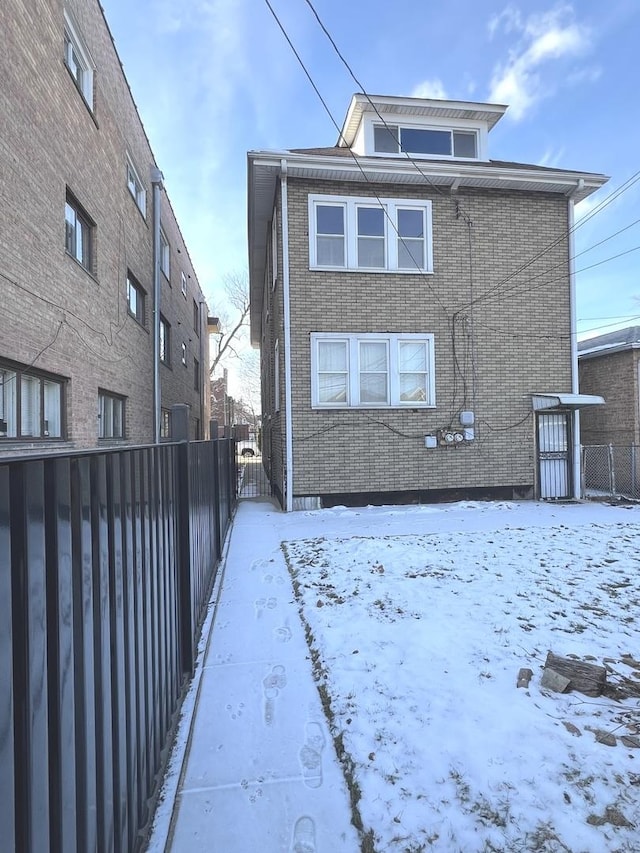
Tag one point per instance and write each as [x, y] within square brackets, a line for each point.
[180, 432]
[634, 481]
[612, 473]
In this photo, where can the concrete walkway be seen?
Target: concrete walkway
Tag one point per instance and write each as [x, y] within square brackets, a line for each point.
[254, 769]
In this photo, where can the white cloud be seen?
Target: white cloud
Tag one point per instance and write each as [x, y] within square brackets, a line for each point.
[551, 158]
[544, 37]
[429, 89]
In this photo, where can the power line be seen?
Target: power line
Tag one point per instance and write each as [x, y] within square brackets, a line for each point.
[352, 154]
[613, 196]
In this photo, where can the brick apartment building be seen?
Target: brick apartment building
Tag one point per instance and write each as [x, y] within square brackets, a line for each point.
[609, 365]
[413, 301]
[83, 216]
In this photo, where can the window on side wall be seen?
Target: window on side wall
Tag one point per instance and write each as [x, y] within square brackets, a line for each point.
[369, 234]
[78, 60]
[196, 374]
[136, 187]
[110, 415]
[183, 348]
[276, 377]
[196, 318]
[165, 423]
[183, 284]
[165, 342]
[136, 298]
[31, 404]
[79, 234]
[165, 255]
[372, 371]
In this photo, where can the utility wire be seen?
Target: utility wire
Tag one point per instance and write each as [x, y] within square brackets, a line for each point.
[613, 196]
[351, 153]
[459, 209]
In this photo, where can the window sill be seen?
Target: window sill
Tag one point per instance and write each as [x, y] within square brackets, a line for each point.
[370, 407]
[81, 266]
[370, 270]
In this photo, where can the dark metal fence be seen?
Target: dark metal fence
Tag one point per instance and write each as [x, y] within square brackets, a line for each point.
[106, 564]
[611, 471]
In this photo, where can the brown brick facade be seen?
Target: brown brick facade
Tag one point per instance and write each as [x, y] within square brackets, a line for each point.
[57, 317]
[489, 356]
[614, 376]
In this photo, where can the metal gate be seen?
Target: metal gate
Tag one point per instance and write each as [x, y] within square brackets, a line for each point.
[554, 457]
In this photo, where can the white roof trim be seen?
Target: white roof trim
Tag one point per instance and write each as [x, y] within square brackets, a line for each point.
[555, 400]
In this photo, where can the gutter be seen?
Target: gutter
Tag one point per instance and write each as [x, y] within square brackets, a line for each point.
[287, 339]
[575, 383]
[156, 183]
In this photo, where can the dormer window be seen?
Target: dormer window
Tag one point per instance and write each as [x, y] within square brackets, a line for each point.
[396, 139]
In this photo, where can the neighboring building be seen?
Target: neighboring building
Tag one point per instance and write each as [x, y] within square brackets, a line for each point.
[414, 305]
[79, 194]
[222, 405]
[609, 365]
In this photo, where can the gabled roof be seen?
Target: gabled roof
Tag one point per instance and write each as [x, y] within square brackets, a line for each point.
[618, 341]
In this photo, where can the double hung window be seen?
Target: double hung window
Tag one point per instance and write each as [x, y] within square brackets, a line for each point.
[370, 234]
[372, 370]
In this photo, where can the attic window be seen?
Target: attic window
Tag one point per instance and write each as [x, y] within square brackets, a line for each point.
[395, 139]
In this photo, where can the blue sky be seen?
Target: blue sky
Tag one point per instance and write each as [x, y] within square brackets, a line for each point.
[215, 78]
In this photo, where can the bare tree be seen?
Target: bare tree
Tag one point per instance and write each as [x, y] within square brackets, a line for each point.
[236, 288]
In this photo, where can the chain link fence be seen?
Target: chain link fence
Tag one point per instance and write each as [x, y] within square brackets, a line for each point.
[611, 471]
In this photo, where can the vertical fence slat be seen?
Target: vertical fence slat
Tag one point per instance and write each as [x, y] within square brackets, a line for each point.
[87, 797]
[7, 747]
[30, 657]
[62, 706]
[187, 626]
[140, 635]
[117, 554]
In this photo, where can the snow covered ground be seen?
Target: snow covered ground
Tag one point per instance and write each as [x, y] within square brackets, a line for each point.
[419, 620]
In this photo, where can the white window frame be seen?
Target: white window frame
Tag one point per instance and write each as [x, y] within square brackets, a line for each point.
[393, 342]
[165, 255]
[136, 187]
[391, 207]
[183, 283]
[184, 353]
[434, 123]
[78, 59]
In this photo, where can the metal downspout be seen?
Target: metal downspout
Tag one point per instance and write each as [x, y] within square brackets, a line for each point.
[156, 183]
[287, 340]
[575, 384]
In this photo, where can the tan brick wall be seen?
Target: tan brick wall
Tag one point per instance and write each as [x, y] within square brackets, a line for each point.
[520, 343]
[55, 315]
[613, 376]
